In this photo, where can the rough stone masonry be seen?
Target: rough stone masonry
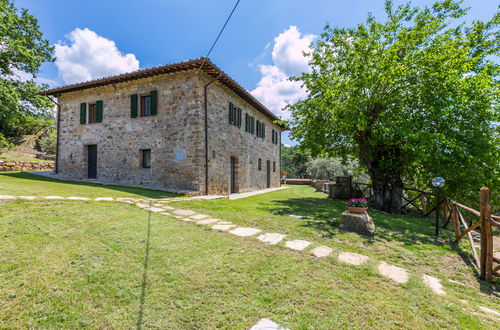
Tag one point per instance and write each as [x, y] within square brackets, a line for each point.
[175, 135]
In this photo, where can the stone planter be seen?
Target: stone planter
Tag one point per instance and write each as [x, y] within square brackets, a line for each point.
[360, 223]
[354, 209]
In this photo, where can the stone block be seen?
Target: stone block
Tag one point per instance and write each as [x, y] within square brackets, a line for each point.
[357, 222]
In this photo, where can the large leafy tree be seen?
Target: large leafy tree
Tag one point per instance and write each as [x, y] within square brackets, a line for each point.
[411, 97]
[22, 51]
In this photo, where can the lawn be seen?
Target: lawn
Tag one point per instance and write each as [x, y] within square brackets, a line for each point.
[19, 184]
[68, 264]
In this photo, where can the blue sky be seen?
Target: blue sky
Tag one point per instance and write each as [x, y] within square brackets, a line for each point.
[260, 47]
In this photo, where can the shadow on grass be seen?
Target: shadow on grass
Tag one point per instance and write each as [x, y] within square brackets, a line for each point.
[150, 193]
[324, 214]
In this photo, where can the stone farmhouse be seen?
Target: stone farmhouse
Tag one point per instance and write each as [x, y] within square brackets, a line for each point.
[185, 127]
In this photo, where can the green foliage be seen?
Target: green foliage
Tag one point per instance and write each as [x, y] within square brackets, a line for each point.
[5, 144]
[412, 97]
[293, 160]
[47, 142]
[22, 110]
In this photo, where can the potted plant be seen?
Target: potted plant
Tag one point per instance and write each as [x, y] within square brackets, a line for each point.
[357, 205]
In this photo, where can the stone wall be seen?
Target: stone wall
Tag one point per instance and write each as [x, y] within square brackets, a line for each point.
[226, 141]
[11, 166]
[176, 130]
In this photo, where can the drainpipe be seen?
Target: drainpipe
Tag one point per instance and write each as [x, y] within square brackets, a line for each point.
[206, 130]
[56, 165]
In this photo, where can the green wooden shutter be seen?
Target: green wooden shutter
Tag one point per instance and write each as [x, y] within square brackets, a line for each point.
[98, 109]
[239, 117]
[133, 106]
[263, 130]
[154, 102]
[231, 114]
[252, 125]
[83, 113]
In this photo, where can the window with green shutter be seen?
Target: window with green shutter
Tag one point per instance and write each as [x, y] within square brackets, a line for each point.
[239, 117]
[263, 131]
[154, 102]
[133, 106]
[258, 128]
[99, 108]
[83, 113]
[231, 113]
[252, 125]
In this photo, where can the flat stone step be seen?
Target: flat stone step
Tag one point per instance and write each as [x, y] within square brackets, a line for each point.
[199, 216]
[75, 198]
[489, 310]
[395, 273]
[142, 205]
[207, 221]
[103, 199]
[297, 244]
[353, 258]
[222, 227]
[7, 197]
[271, 238]
[27, 197]
[267, 324]
[54, 197]
[155, 209]
[245, 232]
[434, 284]
[321, 251]
[185, 213]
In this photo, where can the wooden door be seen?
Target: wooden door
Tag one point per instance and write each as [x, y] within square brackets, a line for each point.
[92, 161]
[268, 169]
[233, 186]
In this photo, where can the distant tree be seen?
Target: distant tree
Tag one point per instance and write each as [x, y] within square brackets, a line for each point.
[293, 160]
[22, 51]
[328, 169]
[412, 97]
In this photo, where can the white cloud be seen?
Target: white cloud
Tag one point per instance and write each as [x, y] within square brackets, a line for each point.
[90, 56]
[274, 89]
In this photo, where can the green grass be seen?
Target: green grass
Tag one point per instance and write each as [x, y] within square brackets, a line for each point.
[20, 184]
[69, 264]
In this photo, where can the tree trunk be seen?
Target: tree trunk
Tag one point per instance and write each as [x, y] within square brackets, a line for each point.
[387, 192]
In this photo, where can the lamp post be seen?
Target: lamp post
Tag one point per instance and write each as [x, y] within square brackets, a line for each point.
[438, 183]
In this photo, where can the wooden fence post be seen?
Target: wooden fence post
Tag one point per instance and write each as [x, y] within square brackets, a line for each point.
[456, 221]
[486, 236]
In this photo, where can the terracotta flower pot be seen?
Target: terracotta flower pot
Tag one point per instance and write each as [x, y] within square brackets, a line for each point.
[357, 209]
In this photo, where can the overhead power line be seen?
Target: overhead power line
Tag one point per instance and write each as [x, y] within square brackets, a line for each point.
[221, 30]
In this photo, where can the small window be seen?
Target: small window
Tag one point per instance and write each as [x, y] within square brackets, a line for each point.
[146, 158]
[259, 164]
[92, 113]
[274, 166]
[145, 105]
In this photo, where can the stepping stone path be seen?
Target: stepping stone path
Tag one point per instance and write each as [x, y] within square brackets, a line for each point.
[434, 284]
[223, 227]
[267, 324]
[207, 221]
[353, 258]
[184, 213]
[244, 232]
[271, 238]
[395, 273]
[321, 251]
[297, 244]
